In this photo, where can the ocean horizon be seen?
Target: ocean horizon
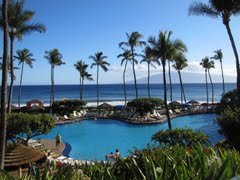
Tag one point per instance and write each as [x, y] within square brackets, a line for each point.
[114, 92]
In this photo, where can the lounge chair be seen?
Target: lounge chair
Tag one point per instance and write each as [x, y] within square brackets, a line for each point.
[65, 117]
[170, 112]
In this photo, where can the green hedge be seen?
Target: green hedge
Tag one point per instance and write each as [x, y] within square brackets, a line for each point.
[145, 105]
[66, 107]
[181, 137]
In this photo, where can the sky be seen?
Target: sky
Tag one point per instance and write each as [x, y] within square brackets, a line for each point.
[80, 28]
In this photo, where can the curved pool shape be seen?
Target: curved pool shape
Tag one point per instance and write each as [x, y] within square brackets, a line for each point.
[93, 139]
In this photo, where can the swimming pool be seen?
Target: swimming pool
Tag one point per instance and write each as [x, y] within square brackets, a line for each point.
[93, 139]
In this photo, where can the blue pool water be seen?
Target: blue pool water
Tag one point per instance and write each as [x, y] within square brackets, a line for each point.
[93, 139]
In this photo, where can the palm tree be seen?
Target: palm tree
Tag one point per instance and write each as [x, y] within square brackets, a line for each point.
[180, 64]
[149, 58]
[81, 67]
[23, 56]
[219, 56]
[19, 25]
[54, 58]
[126, 56]
[206, 64]
[221, 9]
[133, 40]
[177, 47]
[3, 127]
[99, 61]
[161, 48]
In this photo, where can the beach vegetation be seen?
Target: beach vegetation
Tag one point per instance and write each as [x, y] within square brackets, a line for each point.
[19, 22]
[24, 56]
[218, 56]
[67, 106]
[3, 125]
[225, 10]
[25, 126]
[161, 47]
[126, 57]
[229, 100]
[180, 137]
[99, 61]
[133, 41]
[207, 65]
[179, 64]
[54, 58]
[145, 105]
[81, 67]
[229, 123]
[149, 58]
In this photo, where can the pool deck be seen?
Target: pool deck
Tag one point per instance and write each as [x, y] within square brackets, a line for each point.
[131, 121]
[50, 144]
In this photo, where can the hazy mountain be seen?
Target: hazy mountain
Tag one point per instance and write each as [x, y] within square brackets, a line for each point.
[187, 77]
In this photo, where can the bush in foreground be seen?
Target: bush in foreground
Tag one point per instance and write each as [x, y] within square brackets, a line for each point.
[145, 105]
[229, 123]
[181, 137]
[170, 163]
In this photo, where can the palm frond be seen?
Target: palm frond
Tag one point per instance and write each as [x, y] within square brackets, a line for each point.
[201, 9]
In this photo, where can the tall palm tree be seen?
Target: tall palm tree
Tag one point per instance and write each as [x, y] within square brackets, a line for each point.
[54, 58]
[161, 47]
[3, 127]
[133, 41]
[81, 67]
[219, 56]
[149, 58]
[99, 61]
[177, 47]
[19, 25]
[207, 65]
[180, 64]
[23, 56]
[221, 9]
[126, 56]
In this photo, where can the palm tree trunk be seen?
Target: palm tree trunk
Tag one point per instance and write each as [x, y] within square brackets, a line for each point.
[3, 127]
[211, 85]
[170, 82]
[134, 73]
[20, 86]
[184, 96]
[11, 76]
[165, 97]
[222, 76]
[235, 53]
[206, 85]
[53, 86]
[124, 83]
[98, 90]
[80, 87]
[149, 80]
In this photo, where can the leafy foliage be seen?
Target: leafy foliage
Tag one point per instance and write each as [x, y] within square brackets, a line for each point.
[66, 107]
[170, 163]
[181, 137]
[23, 125]
[229, 99]
[229, 123]
[145, 105]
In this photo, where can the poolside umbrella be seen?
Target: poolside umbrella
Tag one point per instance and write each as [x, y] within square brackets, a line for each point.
[20, 155]
[105, 106]
[193, 102]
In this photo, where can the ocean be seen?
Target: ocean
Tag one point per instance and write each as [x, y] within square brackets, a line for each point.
[114, 92]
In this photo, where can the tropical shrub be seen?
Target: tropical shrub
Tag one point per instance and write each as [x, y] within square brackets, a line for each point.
[176, 162]
[25, 126]
[66, 107]
[229, 123]
[229, 99]
[145, 105]
[181, 137]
